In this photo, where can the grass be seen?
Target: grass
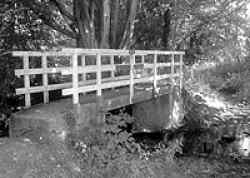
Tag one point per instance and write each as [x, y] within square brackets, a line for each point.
[22, 158]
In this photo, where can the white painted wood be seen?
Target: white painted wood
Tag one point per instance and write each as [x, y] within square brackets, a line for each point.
[19, 72]
[88, 69]
[52, 87]
[131, 85]
[144, 80]
[155, 73]
[142, 59]
[99, 74]
[147, 65]
[39, 89]
[160, 77]
[83, 68]
[112, 84]
[181, 72]
[89, 88]
[45, 80]
[99, 83]
[118, 51]
[75, 79]
[39, 53]
[26, 81]
[70, 51]
[112, 62]
[172, 69]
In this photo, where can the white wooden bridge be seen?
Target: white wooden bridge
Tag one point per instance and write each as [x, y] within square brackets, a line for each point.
[99, 80]
[158, 68]
[142, 67]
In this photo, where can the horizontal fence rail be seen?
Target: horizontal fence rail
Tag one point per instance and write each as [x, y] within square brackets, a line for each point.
[140, 66]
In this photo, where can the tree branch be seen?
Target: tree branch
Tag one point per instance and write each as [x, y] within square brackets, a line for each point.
[63, 10]
[46, 16]
[129, 29]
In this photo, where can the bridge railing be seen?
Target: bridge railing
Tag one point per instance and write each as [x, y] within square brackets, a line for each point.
[98, 62]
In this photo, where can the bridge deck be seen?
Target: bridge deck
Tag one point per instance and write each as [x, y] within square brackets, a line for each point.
[111, 99]
[54, 112]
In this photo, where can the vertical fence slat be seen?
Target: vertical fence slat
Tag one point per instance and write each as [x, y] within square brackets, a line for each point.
[26, 81]
[112, 62]
[83, 65]
[131, 85]
[143, 62]
[75, 79]
[155, 73]
[45, 79]
[142, 59]
[181, 72]
[99, 75]
[171, 104]
[172, 70]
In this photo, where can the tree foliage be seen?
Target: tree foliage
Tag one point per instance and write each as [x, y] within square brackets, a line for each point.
[205, 29]
[20, 29]
[91, 23]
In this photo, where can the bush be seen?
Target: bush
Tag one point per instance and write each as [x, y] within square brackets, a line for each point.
[111, 151]
[8, 99]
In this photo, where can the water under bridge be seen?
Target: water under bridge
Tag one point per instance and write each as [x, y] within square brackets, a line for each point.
[99, 80]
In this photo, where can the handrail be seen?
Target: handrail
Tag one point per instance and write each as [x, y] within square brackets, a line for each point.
[76, 86]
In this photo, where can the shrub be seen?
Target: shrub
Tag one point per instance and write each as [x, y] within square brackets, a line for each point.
[111, 151]
[8, 99]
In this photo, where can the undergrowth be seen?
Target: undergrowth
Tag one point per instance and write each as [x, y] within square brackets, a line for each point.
[111, 151]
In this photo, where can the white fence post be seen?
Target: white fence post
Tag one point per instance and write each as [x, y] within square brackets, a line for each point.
[26, 80]
[45, 79]
[155, 74]
[181, 71]
[131, 85]
[172, 70]
[142, 59]
[99, 75]
[112, 62]
[75, 79]
[83, 65]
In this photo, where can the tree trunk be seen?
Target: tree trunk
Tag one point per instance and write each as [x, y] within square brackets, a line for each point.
[79, 22]
[166, 29]
[92, 26]
[106, 24]
[88, 22]
[115, 24]
[129, 29]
